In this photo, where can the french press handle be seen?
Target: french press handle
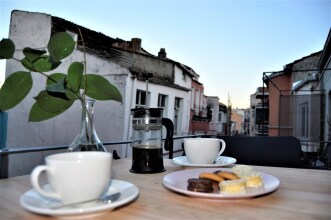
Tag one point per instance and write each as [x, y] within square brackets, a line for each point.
[169, 142]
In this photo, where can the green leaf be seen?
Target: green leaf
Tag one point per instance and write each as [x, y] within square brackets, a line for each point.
[42, 64]
[32, 54]
[27, 64]
[75, 75]
[60, 46]
[57, 86]
[52, 103]
[56, 77]
[7, 49]
[100, 88]
[37, 114]
[15, 89]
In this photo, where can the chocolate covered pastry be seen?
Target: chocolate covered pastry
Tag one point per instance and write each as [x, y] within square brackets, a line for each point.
[200, 185]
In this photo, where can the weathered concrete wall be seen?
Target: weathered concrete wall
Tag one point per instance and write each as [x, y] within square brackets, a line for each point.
[307, 63]
[326, 85]
[148, 64]
[182, 80]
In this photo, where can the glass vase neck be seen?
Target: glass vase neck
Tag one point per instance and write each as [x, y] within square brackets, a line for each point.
[87, 139]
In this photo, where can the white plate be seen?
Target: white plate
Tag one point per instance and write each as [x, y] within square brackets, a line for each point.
[177, 181]
[33, 202]
[224, 161]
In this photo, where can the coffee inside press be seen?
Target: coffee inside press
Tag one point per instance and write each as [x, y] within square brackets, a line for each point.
[147, 149]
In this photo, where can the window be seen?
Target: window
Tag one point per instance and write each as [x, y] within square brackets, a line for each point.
[178, 115]
[197, 102]
[192, 97]
[184, 76]
[162, 102]
[304, 120]
[141, 98]
[219, 116]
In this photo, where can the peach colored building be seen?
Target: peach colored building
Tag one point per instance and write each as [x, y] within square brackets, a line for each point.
[285, 89]
[198, 113]
[237, 119]
[281, 83]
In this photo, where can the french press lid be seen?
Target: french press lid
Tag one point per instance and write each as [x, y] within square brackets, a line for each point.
[146, 118]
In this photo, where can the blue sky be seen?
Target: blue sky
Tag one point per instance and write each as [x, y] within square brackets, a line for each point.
[228, 43]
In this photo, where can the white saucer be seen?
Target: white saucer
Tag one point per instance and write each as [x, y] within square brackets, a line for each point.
[177, 181]
[33, 202]
[224, 161]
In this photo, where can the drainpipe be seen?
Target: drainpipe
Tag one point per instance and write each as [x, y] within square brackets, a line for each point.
[131, 105]
[279, 109]
[262, 106]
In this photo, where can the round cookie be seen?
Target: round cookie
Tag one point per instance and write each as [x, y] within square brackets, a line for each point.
[228, 175]
[211, 176]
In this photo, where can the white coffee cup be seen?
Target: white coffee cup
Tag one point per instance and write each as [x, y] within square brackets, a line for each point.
[75, 176]
[203, 150]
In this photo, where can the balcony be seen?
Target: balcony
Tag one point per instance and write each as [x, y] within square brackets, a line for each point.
[321, 159]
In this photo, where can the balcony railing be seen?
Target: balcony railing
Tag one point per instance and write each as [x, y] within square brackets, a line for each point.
[320, 159]
[5, 152]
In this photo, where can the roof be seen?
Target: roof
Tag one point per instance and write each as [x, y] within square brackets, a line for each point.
[92, 41]
[196, 81]
[103, 45]
[158, 81]
[326, 53]
[186, 69]
[288, 68]
[291, 65]
[261, 92]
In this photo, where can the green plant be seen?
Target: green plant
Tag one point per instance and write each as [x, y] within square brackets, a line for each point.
[61, 89]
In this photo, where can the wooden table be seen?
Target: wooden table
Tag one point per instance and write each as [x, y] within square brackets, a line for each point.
[303, 194]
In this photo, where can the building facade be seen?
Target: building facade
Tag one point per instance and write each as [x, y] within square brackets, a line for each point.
[295, 107]
[324, 66]
[258, 122]
[123, 63]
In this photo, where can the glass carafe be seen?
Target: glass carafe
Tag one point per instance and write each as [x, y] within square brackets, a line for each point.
[87, 139]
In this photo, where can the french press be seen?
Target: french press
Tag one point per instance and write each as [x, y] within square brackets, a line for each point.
[147, 150]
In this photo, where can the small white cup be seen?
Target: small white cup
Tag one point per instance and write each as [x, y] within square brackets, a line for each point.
[75, 176]
[203, 150]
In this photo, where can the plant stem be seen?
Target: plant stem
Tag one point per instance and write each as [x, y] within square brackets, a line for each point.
[85, 76]
[36, 71]
[84, 62]
[53, 80]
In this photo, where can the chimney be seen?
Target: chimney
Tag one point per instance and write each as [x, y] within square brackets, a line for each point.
[162, 53]
[133, 45]
[136, 44]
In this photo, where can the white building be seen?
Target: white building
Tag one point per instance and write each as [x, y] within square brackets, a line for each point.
[325, 81]
[169, 88]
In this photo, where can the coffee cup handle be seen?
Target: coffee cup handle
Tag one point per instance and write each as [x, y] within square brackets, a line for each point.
[35, 182]
[223, 144]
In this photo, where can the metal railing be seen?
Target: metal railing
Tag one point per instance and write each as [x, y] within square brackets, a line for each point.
[311, 159]
[316, 154]
[5, 152]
